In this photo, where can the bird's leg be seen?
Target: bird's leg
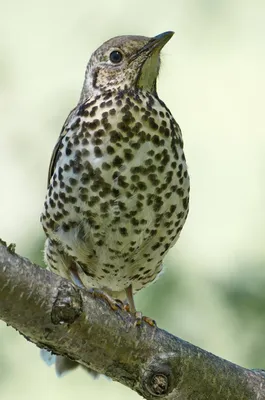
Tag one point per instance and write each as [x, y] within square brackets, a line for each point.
[131, 308]
[138, 315]
[74, 276]
[114, 305]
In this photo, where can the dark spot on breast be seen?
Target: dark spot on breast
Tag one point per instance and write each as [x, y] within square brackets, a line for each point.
[153, 125]
[68, 189]
[83, 197]
[122, 181]
[185, 203]
[128, 155]
[104, 206]
[115, 136]
[94, 124]
[135, 145]
[137, 127]
[76, 141]
[73, 181]
[153, 178]
[180, 192]
[134, 221]
[98, 152]
[115, 192]
[123, 231]
[85, 152]
[52, 203]
[117, 161]
[139, 205]
[110, 150]
[109, 103]
[96, 141]
[93, 109]
[156, 140]
[105, 166]
[72, 199]
[123, 126]
[128, 118]
[135, 178]
[142, 185]
[93, 200]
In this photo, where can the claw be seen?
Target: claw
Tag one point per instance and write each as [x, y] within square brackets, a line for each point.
[149, 321]
[126, 307]
[140, 318]
[121, 304]
[114, 304]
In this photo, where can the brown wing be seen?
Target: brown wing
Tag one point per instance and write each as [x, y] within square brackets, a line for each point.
[55, 153]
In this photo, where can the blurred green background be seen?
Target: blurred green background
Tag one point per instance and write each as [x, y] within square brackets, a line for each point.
[212, 78]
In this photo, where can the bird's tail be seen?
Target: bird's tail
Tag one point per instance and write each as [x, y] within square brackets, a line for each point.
[62, 364]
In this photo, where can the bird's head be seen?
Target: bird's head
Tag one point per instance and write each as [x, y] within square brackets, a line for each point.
[125, 61]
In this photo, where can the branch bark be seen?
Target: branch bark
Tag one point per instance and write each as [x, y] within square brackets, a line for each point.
[54, 314]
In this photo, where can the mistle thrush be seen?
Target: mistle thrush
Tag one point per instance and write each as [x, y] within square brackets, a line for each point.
[118, 186]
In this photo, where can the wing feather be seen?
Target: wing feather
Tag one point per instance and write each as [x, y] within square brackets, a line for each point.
[55, 153]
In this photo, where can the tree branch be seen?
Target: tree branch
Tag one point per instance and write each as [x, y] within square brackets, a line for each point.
[54, 314]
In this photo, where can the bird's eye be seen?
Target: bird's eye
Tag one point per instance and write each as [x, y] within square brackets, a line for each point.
[115, 57]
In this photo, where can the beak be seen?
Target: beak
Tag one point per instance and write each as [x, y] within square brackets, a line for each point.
[155, 44]
[159, 41]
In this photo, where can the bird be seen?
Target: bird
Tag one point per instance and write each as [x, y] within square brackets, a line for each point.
[118, 182]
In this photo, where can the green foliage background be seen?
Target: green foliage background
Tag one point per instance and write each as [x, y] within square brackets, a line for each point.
[212, 79]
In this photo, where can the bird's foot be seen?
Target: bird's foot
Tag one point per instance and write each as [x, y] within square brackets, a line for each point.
[139, 317]
[114, 304]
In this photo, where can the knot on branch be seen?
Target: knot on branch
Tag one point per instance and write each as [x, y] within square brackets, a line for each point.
[68, 304]
[158, 385]
[157, 379]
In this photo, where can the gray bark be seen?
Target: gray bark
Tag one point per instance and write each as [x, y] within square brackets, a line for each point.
[54, 314]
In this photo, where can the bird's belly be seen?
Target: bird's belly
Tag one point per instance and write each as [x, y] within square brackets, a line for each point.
[116, 203]
[123, 247]
[120, 233]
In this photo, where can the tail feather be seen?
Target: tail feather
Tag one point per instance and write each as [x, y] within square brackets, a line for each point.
[63, 365]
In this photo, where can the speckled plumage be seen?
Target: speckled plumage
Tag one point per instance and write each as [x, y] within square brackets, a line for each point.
[118, 190]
